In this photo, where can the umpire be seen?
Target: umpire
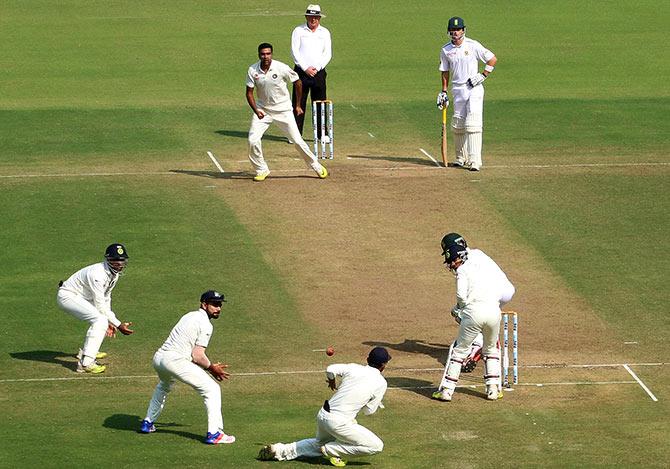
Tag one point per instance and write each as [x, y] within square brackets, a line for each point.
[312, 51]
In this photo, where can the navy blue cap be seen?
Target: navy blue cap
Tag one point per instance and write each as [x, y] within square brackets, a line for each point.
[378, 356]
[212, 296]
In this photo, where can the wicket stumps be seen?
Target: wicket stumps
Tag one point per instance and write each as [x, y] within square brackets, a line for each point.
[324, 109]
[515, 348]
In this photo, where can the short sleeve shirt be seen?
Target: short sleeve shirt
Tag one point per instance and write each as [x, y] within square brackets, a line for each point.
[272, 86]
[462, 62]
[193, 329]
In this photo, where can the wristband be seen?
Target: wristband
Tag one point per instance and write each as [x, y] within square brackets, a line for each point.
[489, 68]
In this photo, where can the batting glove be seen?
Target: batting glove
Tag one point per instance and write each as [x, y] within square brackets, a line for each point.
[456, 313]
[442, 100]
[476, 80]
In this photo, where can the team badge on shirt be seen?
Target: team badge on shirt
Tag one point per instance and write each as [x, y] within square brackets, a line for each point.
[274, 76]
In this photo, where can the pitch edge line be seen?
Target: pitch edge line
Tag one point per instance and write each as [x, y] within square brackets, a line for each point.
[639, 381]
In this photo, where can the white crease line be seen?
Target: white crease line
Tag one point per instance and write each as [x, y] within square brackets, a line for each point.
[370, 134]
[639, 381]
[352, 106]
[216, 163]
[428, 155]
[534, 385]
[298, 372]
[57, 175]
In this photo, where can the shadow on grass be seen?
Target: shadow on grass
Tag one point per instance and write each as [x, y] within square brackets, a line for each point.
[48, 356]
[238, 175]
[418, 386]
[396, 159]
[133, 422]
[245, 134]
[437, 351]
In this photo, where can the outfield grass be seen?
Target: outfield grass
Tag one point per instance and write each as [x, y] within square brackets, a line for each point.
[146, 89]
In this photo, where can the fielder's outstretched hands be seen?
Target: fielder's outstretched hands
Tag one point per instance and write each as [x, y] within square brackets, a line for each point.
[125, 329]
[111, 331]
[476, 80]
[218, 371]
[442, 100]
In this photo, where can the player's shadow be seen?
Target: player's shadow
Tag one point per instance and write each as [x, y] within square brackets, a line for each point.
[437, 351]
[396, 159]
[421, 387]
[48, 356]
[245, 135]
[215, 174]
[133, 422]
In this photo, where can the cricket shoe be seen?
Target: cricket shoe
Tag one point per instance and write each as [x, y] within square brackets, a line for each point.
[147, 427]
[268, 453]
[93, 368]
[337, 462]
[455, 164]
[323, 174]
[441, 396]
[262, 175]
[493, 394]
[474, 168]
[98, 356]
[219, 438]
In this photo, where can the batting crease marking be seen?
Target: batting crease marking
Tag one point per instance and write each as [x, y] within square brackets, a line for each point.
[429, 156]
[214, 160]
[639, 381]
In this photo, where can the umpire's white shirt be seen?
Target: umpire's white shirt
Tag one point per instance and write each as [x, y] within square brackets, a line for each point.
[362, 387]
[462, 62]
[94, 284]
[271, 87]
[193, 329]
[311, 48]
[480, 282]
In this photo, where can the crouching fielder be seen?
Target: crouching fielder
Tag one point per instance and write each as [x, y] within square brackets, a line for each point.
[338, 435]
[182, 357]
[481, 287]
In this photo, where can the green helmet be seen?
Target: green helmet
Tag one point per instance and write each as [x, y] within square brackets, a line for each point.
[455, 22]
[450, 239]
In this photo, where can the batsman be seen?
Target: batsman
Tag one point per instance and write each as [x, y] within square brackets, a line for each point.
[459, 62]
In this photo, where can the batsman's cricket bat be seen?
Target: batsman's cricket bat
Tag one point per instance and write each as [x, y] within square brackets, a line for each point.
[444, 136]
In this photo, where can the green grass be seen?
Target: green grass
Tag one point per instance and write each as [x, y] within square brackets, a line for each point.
[146, 87]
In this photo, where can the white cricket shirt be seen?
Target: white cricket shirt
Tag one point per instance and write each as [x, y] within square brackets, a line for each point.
[311, 48]
[362, 387]
[193, 329]
[480, 281]
[462, 62]
[95, 284]
[271, 86]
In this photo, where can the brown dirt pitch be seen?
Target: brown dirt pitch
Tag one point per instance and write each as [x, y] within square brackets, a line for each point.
[360, 253]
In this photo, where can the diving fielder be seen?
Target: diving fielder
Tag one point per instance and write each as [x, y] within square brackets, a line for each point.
[459, 61]
[87, 295]
[338, 434]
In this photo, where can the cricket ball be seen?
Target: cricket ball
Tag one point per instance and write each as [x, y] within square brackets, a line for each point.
[330, 351]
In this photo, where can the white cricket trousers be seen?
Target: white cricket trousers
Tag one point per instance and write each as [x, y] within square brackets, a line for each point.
[339, 436]
[484, 318]
[86, 311]
[172, 367]
[286, 123]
